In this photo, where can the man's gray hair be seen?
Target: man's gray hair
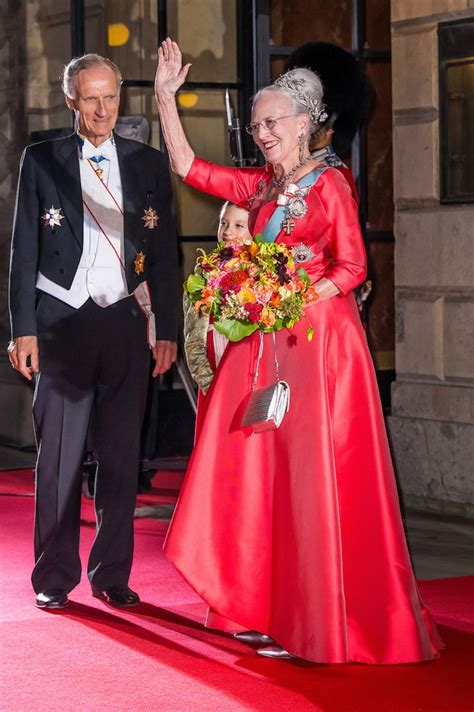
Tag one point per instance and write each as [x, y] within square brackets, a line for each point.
[87, 61]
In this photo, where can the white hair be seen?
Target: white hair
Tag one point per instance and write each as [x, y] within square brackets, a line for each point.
[305, 89]
[78, 64]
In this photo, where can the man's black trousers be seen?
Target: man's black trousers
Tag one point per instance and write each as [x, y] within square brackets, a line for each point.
[94, 366]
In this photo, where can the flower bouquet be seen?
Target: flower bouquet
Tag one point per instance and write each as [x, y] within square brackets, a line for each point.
[246, 286]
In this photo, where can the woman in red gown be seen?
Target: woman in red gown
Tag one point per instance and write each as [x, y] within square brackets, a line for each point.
[296, 533]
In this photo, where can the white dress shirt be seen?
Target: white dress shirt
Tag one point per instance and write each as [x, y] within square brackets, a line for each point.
[99, 275]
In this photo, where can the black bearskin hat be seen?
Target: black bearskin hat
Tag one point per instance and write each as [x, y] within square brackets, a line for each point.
[347, 91]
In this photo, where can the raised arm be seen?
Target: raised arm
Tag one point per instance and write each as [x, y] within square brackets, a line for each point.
[170, 76]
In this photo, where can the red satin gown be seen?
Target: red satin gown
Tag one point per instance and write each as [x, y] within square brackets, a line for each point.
[296, 532]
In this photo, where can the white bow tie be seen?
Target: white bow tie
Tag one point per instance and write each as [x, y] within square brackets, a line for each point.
[106, 150]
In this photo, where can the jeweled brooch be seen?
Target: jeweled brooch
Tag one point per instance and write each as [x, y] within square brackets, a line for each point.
[53, 217]
[302, 253]
[150, 218]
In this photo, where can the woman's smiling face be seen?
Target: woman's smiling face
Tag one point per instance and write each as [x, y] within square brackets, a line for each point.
[279, 144]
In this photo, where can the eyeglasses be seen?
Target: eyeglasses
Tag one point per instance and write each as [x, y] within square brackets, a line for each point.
[266, 123]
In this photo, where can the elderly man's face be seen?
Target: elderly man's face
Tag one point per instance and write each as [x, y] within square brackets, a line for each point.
[96, 103]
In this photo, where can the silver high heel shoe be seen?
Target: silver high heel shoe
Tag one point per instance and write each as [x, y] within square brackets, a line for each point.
[253, 637]
[274, 651]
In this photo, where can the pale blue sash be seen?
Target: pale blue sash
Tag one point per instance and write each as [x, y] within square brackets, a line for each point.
[273, 227]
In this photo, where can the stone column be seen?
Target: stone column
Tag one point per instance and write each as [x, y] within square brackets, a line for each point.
[432, 422]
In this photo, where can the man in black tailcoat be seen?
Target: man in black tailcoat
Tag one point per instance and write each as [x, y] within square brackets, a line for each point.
[92, 288]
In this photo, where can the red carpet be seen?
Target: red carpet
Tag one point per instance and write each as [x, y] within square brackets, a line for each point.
[158, 657]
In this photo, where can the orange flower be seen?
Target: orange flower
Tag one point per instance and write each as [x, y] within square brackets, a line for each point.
[253, 248]
[311, 295]
[267, 317]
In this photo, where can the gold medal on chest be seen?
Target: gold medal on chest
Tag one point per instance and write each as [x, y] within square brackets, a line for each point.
[150, 218]
[139, 263]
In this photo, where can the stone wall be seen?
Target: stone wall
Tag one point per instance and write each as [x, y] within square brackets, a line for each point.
[432, 422]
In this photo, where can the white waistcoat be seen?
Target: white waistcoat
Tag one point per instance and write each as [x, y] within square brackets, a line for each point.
[99, 275]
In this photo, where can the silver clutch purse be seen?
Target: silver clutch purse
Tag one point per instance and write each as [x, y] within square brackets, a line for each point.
[267, 406]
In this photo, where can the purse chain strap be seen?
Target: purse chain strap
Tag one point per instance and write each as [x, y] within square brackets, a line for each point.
[259, 358]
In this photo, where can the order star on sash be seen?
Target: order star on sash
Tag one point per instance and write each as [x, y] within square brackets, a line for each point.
[150, 218]
[139, 263]
[53, 217]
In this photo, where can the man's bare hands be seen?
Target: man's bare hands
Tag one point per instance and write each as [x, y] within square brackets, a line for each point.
[170, 73]
[164, 353]
[18, 352]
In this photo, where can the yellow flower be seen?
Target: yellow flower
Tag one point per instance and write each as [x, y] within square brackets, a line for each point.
[234, 262]
[246, 296]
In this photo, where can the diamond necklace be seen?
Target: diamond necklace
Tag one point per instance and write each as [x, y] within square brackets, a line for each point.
[280, 182]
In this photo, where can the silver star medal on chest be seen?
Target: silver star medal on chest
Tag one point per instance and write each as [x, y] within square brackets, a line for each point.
[295, 205]
[302, 253]
[150, 218]
[53, 217]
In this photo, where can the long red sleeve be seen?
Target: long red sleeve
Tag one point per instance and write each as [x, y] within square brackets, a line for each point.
[346, 245]
[234, 184]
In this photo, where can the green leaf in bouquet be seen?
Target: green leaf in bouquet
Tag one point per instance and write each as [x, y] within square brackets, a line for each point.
[216, 304]
[194, 285]
[304, 276]
[234, 329]
[258, 238]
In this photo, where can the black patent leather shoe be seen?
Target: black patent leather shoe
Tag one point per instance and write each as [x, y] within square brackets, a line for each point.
[118, 596]
[253, 637]
[52, 598]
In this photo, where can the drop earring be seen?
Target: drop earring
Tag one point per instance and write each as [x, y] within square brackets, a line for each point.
[302, 144]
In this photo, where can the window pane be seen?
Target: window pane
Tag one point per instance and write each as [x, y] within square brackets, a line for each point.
[456, 41]
[127, 36]
[377, 24]
[49, 49]
[207, 35]
[206, 128]
[379, 149]
[459, 130]
[326, 20]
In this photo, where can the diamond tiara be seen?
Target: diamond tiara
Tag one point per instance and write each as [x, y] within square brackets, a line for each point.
[294, 85]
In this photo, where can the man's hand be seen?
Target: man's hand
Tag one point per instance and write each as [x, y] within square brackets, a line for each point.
[18, 352]
[164, 353]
